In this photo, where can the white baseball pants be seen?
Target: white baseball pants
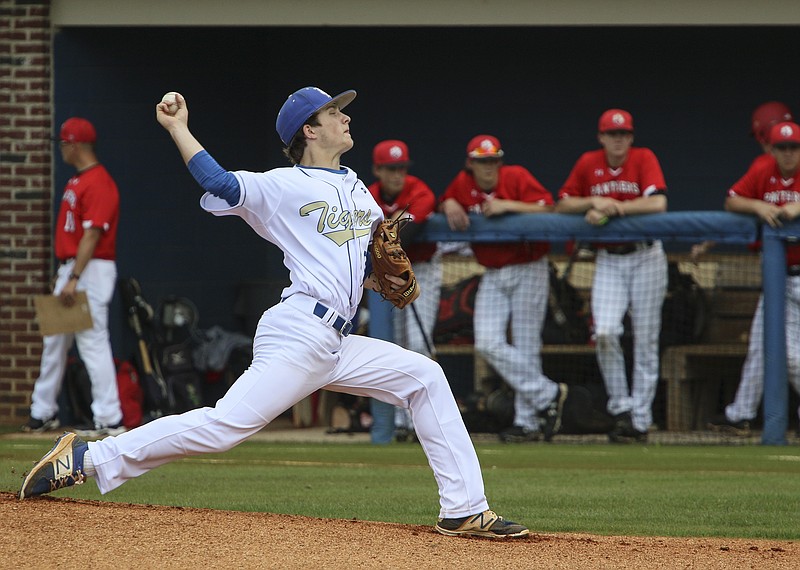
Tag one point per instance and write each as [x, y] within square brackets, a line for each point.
[408, 332]
[751, 385]
[94, 346]
[637, 281]
[516, 293]
[296, 354]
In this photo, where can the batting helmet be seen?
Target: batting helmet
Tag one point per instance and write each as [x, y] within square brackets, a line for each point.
[765, 117]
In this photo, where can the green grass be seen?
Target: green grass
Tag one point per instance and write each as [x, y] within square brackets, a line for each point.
[748, 492]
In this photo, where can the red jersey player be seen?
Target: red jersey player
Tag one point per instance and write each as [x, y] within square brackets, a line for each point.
[623, 180]
[396, 191]
[85, 243]
[764, 117]
[516, 281]
[771, 191]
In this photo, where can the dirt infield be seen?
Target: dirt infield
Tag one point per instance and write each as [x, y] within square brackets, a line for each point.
[49, 532]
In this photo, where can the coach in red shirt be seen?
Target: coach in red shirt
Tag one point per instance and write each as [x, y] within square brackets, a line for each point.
[622, 180]
[514, 288]
[85, 245]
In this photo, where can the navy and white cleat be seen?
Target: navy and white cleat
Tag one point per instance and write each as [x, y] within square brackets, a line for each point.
[60, 467]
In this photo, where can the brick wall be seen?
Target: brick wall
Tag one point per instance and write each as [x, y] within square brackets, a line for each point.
[25, 195]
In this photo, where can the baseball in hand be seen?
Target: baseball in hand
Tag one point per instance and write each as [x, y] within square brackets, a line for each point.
[171, 100]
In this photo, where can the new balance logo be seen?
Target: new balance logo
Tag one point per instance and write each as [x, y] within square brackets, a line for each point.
[63, 466]
[481, 523]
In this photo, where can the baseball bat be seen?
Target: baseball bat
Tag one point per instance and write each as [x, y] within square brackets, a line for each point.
[146, 364]
[144, 353]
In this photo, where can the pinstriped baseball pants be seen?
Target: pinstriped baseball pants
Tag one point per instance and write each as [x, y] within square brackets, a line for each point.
[635, 281]
[751, 385]
[516, 293]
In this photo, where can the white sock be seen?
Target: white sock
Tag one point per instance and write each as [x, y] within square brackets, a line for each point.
[88, 465]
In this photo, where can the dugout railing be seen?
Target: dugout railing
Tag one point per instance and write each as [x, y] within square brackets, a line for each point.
[680, 227]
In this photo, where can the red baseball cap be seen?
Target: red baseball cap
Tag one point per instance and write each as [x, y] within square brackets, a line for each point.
[390, 152]
[785, 132]
[78, 130]
[767, 115]
[484, 146]
[615, 120]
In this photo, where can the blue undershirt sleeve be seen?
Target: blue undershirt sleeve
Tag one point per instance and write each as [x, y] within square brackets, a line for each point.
[213, 178]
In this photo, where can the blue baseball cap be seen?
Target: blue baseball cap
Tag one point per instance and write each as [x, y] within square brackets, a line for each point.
[301, 105]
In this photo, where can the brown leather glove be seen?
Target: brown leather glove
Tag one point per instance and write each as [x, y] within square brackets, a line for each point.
[389, 258]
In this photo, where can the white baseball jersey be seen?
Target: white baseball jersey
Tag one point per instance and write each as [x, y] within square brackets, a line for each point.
[321, 219]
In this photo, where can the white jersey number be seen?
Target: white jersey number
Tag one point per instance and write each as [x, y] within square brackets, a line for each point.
[69, 223]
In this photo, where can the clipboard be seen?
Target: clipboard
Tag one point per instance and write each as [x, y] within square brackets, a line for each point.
[55, 318]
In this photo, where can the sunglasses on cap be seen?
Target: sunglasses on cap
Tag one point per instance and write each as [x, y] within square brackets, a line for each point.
[786, 146]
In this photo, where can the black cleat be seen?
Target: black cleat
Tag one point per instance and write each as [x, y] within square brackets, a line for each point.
[624, 432]
[553, 413]
[519, 434]
[721, 424]
[35, 425]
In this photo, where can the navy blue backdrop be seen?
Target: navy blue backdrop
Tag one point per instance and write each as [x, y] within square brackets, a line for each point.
[540, 90]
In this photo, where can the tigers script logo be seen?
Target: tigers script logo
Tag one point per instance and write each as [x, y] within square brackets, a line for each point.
[339, 226]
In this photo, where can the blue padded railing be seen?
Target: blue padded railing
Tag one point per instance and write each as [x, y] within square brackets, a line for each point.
[685, 227]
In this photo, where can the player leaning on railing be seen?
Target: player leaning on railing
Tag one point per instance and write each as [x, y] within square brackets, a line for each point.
[771, 191]
[622, 180]
[513, 291]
